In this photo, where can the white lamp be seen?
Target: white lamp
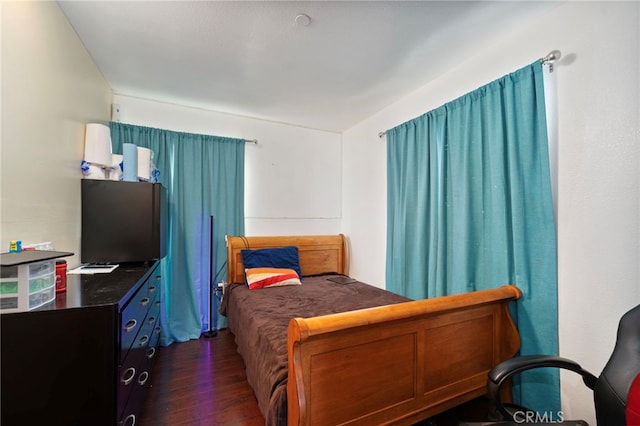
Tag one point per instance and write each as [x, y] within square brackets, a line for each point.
[97, 150]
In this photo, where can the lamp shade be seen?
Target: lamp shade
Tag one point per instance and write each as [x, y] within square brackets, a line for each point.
[97, 144]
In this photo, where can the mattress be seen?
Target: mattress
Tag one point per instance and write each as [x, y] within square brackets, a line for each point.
[259, 320]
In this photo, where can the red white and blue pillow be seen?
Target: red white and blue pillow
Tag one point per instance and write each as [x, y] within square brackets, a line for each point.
[271, 277]
[271, 267]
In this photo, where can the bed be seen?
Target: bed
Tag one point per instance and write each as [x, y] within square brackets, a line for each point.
[314, 356]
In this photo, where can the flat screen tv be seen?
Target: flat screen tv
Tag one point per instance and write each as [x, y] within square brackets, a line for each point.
[122, 222]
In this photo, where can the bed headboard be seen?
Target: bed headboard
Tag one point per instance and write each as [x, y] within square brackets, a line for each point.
[318, 253]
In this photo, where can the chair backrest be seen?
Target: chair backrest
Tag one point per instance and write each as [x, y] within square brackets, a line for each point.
[612, 388]
[633, 403]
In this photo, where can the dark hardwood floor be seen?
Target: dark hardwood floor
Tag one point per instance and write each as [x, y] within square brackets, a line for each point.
[200, 382]
[203, 382]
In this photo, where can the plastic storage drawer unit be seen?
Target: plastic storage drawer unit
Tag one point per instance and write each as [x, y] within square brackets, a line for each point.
[26, 287]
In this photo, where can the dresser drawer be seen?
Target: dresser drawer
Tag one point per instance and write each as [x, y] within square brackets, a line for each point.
[133, 370]
[138, 365]
[149, 325]
[153, 284]
[128, 376]
[131, 412]
[133, 317]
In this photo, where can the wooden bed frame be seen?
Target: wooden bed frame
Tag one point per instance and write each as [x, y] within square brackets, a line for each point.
[318, 253]
[395, 364]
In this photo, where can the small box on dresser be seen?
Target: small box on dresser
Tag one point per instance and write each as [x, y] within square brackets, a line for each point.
[86, 358]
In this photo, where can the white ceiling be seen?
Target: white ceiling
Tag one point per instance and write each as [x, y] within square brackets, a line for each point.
[251, 59]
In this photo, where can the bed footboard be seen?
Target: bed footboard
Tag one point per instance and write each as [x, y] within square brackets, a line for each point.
[397, 364]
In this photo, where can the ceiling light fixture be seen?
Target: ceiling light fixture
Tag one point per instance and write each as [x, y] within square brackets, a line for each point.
[302, 20]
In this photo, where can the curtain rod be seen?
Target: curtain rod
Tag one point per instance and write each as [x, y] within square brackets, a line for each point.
[253, 141]
[549, 59]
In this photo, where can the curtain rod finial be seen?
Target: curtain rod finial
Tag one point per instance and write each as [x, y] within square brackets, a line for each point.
[551, 57]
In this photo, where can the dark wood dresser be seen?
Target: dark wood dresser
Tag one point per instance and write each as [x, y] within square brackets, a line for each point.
[86, 358]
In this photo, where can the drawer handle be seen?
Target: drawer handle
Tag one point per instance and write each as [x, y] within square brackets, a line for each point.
[144, 340]
[130, 325]
[129, 421]
[128, 375]
[152, 320]
[144, 301]
[152, 288]
[157, 330]
[142, 379]
[151, 352]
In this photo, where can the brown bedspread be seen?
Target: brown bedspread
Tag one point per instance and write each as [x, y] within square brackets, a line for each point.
[259, 320]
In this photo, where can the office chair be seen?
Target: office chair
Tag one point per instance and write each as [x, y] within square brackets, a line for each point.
[616, 392]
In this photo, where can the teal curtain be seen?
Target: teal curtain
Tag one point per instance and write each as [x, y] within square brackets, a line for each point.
[469, 207]
[204, 176]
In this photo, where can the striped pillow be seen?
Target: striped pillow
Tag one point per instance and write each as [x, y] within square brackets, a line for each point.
[271, 277]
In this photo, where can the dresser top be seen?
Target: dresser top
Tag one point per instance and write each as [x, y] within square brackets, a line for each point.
[85, 290]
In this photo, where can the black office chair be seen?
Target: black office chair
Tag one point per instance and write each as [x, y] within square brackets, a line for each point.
[616, 392]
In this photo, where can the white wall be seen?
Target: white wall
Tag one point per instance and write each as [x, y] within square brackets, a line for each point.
[50, 89]
[293, 176]
[598, 181]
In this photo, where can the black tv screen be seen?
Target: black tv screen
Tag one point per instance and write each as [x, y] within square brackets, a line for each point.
[122, 222]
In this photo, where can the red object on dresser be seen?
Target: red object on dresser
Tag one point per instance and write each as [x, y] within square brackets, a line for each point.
[61, 276]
